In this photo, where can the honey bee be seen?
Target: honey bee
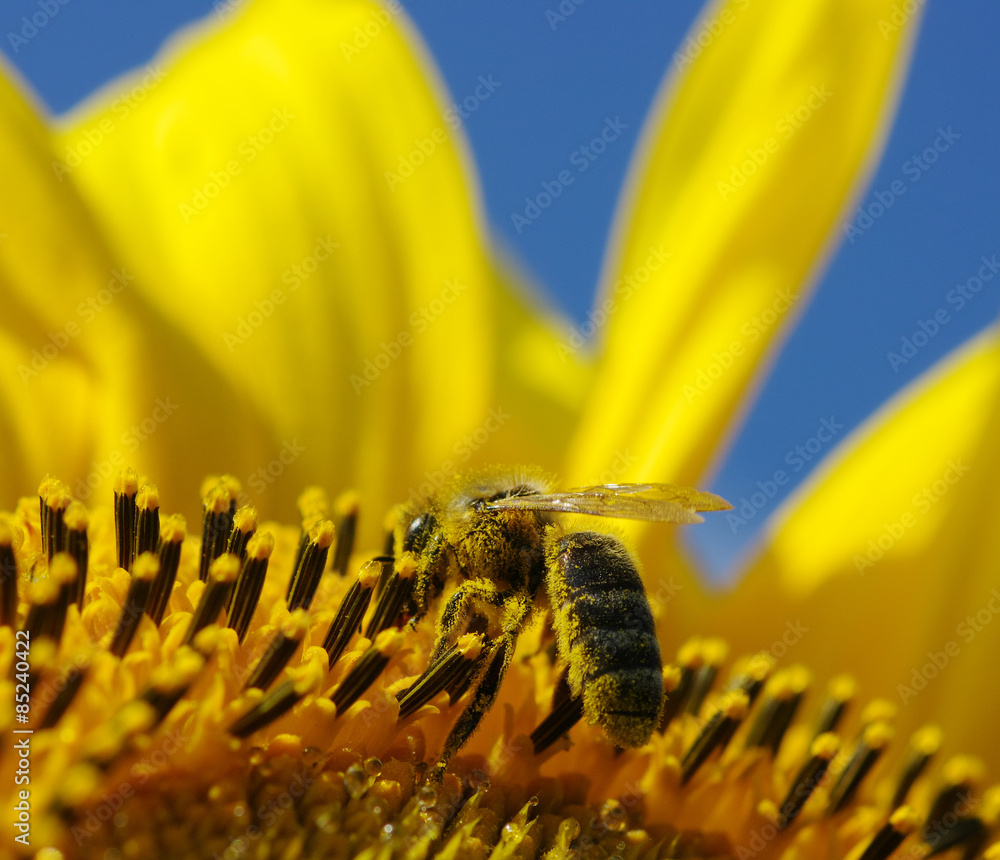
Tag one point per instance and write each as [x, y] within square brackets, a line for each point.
[490, 539]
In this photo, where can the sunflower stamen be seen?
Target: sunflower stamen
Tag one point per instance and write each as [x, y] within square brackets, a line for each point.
[76, 520]
[392, 603]
[221, 578]
[821, 753]
[566, 712]
[961, 774]
[126, 488]
[753, 675]
[387, 564]
[690, 658]
[112, 739]
[347, 507]
[729, 713]
[279, 650]
[56, 503]
[172, 534]
[144, 574]
[369, 666]
[314, 506]
[970, 831]
[749, 680]
[244, 528]
[453, 663]
[83, 681]
[901, 824]
[309, 570]
[785, 692]
[147, 526]
[219, 501]
[873, 741]
[300, 682]
[352, 609]
[45, 489]
[8, 576]
[73, 680]
[713, 653]
[50, 599]
[461, 682]
[170, 682]
[839, 693]
[273, 705]
[244, 597]
[924, 744]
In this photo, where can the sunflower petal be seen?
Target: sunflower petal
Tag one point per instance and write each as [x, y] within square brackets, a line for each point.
[754, 150]
[91, 384]
[293, 199]
[894, 541]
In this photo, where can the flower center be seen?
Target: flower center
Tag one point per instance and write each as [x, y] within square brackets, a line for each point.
[248, 695]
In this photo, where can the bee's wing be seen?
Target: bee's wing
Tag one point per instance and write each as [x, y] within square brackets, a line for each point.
[665, 503]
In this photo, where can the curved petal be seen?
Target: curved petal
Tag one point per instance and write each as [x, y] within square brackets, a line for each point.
[760, 139]
[294, 199]
[892, 551]
[82, 350]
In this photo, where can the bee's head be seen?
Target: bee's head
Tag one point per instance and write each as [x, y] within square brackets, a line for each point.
[417, 532]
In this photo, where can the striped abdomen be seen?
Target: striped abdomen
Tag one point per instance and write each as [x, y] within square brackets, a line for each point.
[606, 634]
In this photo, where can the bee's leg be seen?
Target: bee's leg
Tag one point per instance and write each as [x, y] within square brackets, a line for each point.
[472, 597]
[512, 612]
[495, 663]
[457, 610]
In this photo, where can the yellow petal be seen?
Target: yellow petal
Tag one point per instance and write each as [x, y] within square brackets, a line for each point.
[889, 557]
[293, 200]
[91, 383]
[44, 388]
[755, 148]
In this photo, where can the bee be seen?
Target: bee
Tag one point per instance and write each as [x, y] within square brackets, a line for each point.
[487, 542]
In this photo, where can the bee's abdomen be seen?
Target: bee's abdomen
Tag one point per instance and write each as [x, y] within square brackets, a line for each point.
[606, 634]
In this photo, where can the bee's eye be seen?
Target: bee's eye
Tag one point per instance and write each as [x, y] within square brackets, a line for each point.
[417, 533]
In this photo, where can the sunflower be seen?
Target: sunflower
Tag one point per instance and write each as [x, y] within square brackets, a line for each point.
[263, 253]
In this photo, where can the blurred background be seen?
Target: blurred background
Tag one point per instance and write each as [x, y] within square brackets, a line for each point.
[556, 72]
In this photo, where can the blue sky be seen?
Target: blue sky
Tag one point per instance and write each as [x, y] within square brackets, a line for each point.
[557, 79]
